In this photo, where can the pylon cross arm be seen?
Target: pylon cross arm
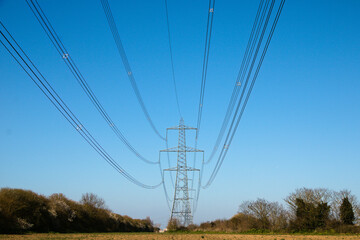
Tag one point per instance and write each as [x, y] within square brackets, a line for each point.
[185, 149]
[181, 128]
[184, 169]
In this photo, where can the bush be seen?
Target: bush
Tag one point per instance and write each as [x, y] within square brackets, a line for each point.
[174, 225]
[27, 210]
[24, 211]
[309, 210]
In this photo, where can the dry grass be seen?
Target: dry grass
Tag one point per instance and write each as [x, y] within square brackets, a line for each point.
[160, 236]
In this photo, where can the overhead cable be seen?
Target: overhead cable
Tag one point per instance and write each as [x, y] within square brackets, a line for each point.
[171, 58]
[70, 63]
[40, 81]
[209, 24]
[239, 81]
[237, 115]
[129, 72]
[226, 145]
[205, 61]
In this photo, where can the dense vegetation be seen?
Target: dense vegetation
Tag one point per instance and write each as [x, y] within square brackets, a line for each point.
[308, 210]
[25, 211]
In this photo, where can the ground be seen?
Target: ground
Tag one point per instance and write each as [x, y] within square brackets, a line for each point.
[166, 236]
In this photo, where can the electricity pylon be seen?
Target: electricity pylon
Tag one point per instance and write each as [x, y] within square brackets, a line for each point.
[181, 208]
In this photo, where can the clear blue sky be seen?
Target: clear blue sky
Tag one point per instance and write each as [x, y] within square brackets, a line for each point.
[300, 129]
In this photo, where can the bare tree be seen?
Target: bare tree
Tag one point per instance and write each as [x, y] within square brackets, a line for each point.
[92, 199]
[173, 225]
[272, 215]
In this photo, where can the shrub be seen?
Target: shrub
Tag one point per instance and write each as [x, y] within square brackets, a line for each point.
[174, 225]
[23, 211]
[27, 209]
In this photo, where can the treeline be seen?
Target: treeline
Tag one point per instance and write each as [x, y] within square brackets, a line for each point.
[25, 211]
[306, 210]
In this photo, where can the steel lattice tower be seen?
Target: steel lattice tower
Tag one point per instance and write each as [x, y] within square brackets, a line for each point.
[181, 208]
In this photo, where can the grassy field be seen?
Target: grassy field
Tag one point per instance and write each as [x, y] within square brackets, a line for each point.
[167, 236]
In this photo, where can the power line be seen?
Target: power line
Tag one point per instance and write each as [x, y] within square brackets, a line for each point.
[238, 83]
[175, 89]
[171, 58]
[219, 162]
[238, 117]
[121, 50]
[244, 64]
[168, 201]
[226, 145]
[168, 160]
[59, 46]
[209, 25]
[205, 61]
[40, 81]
